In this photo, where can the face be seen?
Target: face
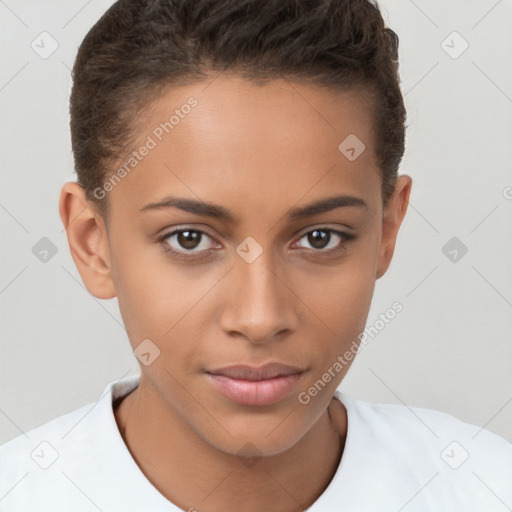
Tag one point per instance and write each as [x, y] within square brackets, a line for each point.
[245, 270]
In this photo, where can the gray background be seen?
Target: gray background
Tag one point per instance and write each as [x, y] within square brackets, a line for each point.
[449, 349]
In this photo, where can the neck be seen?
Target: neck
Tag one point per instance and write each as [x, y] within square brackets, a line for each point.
[193, 474]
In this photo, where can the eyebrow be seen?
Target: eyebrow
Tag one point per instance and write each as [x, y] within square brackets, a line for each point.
[213, 210]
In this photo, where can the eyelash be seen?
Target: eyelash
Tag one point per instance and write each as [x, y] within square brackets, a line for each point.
[346, 237]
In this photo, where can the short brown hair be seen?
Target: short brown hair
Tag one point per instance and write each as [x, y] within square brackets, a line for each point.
[139, 47]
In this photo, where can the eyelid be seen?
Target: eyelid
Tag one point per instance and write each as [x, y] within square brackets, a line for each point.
[183, 255]
[191, 255]
[344, 236]
[179, 229]
[327, 227]
[297, 236]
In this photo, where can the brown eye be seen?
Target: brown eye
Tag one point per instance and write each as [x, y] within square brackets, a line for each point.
[188, 239]
[326, 239]
[187, 243]
[319, 238]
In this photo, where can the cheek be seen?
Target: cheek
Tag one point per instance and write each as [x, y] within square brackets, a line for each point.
[163, 303]
[350, 293]
[152, 295]
[340, 298]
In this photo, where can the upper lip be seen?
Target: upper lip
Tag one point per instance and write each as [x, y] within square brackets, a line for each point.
[247, 372]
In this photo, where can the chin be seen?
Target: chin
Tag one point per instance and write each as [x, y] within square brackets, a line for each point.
[250, 437]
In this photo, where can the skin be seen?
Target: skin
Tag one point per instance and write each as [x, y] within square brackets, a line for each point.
[269, 148]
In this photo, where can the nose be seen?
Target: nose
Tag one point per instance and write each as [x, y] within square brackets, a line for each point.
[260, 304]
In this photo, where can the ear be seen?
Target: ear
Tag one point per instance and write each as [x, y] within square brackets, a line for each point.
[393, 216]
[88, 240]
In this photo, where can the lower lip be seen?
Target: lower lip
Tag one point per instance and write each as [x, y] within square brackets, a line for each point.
[255, 392]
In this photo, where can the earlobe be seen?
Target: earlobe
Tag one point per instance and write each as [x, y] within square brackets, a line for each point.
[88, 240]
[391, 222]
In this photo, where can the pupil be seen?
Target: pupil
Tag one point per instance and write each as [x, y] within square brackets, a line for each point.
[188, 239]
[319, 238]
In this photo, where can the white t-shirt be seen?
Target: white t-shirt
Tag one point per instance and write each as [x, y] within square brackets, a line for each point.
[395, 459]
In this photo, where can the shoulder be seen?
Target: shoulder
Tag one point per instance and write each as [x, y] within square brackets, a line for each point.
[459, 463]
[39, 468]
[22, 449]
[426, 429]
[419, 424]
[76, 461]
[29, 463]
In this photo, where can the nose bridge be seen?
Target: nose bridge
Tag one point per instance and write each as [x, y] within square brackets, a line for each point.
[260, 303]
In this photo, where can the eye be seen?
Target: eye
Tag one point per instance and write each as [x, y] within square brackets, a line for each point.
[187, 243]
[326, 240]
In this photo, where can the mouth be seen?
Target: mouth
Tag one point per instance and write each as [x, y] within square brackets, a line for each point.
[261, 386]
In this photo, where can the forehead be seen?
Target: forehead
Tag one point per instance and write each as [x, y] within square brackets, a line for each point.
[231, 140]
